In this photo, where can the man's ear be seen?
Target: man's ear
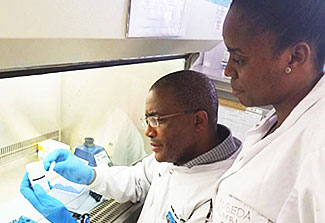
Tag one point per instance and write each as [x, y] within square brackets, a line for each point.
[300, 54]
[201, 120]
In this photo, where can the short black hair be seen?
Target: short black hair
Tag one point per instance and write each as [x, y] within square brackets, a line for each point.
[290, 21]
[192, 90]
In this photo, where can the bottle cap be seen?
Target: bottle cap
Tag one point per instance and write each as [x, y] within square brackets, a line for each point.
[89, 142]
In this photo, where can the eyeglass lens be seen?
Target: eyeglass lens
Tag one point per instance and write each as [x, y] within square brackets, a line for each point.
[152, 121]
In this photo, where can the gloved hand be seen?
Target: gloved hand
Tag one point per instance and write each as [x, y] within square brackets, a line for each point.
[52, 209]
[69, 166]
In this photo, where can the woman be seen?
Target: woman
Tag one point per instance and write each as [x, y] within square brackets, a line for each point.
[277, 53]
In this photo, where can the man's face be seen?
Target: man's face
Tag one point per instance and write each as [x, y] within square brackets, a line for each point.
[257, 76]
[173, 140]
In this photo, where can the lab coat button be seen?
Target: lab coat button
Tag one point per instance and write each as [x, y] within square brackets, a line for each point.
[171, 171]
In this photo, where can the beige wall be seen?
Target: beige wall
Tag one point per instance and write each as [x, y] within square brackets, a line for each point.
[30, 106]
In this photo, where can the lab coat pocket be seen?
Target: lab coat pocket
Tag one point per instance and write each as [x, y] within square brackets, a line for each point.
[228, 209]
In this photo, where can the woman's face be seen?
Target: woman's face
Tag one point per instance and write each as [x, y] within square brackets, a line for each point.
[257, 76]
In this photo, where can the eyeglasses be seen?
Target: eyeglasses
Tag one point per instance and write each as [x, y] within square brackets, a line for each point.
[153, 121]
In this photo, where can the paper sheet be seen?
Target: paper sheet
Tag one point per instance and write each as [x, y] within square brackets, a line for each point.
[238, 121]
[155, 18]
[222, 9]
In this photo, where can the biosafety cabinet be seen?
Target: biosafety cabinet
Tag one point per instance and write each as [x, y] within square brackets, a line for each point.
[75, 69]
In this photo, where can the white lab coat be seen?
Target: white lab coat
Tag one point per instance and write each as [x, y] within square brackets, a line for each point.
[185, 192]
[280, 178]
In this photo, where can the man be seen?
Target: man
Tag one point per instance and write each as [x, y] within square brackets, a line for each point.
[176, 183]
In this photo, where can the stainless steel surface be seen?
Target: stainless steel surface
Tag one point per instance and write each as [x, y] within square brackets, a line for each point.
[131, 215]
[111, 211]
[69, 51]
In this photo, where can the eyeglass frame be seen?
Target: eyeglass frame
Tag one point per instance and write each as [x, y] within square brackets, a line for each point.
[158, 118]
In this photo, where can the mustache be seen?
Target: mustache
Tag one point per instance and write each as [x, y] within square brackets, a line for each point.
[155, 142]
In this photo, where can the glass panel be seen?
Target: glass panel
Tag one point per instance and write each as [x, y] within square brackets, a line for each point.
[103, 103]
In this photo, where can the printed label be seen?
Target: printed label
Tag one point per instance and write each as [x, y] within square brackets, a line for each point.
[230, 210]
[102, 158]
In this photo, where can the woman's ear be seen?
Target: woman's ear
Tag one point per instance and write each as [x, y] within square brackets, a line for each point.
[201, 120]
[300, 54]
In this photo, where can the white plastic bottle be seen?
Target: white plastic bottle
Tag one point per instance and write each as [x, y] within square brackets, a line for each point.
[37, 175]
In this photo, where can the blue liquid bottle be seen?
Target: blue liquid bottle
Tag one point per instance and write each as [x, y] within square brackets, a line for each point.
[94, 154]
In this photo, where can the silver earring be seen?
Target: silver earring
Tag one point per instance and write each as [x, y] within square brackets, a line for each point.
[288, 70]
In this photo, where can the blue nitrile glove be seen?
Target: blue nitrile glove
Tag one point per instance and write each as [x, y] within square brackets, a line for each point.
[52, 209]
[69, 166]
